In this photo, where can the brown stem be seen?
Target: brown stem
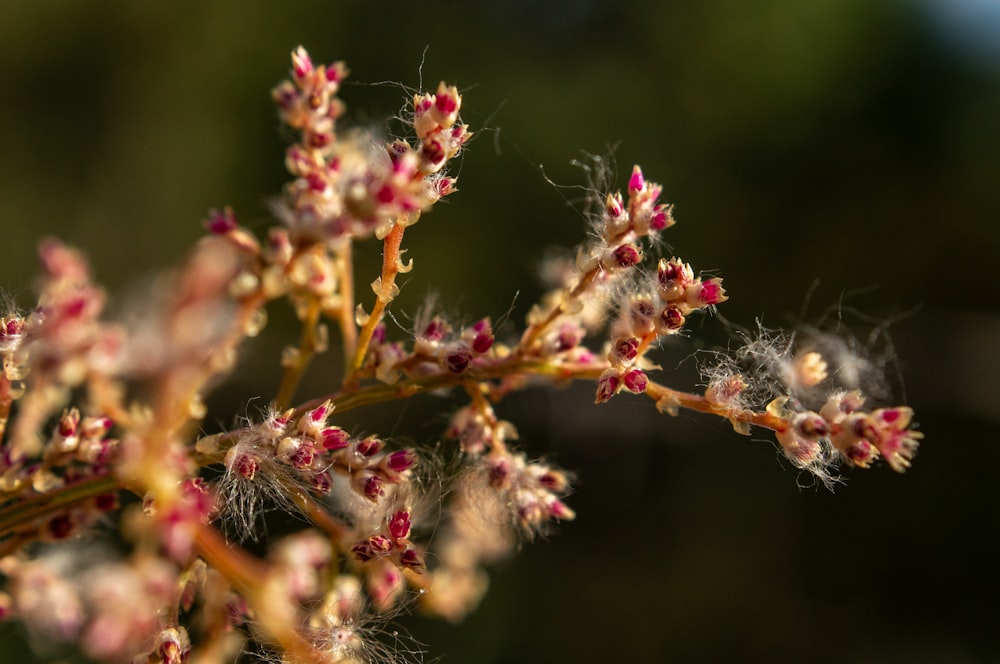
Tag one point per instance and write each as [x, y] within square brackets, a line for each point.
[676, 398]
[348, 327]
[307, 349]
[532, 333]
[386, 292]
[20, 513]
[515, 367]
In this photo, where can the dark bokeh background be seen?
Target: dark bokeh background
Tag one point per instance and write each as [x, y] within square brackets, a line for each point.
[822, 152]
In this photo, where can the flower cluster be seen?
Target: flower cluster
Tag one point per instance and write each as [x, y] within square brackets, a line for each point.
[102, 423]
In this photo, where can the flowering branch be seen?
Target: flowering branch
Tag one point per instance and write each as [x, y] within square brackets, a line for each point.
[91, 410]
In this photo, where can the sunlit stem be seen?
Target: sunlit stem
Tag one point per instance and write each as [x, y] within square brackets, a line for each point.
[348, 327]
[384, 295]
[532, 333]
[300, 362]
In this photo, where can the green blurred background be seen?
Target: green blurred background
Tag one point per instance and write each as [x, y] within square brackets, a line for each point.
[819, 153]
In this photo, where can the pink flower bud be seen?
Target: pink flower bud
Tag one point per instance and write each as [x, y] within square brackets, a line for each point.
[553, 480]
[671, 319]
[11, 334]
[399, 525]
[435, 330]
[635, 381]
[221, 223]
[68, 423]
[711, 292]
[607, 386]
[861, 453]
[457, 358]
[444, 186]
[321, 482]
[246, 465]
[303, 456]
[369, 446]
[661, 218]
[412, 559]
[336, 72]
[627, 255]
[558, 510]
[636, 182]
[318, 414]
[482, 342]
[372, 487]
[446, 101]
[433, 151]
[810, 425]
[614, 207]
[379, 545]
[625, 350]
[334, 438]
[401, 460]
[499, 472]
[302, 64]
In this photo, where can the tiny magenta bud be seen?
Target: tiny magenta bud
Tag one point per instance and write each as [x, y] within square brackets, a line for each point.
[334, 438]
[411, 558]
[711, 292]
[627, 255]
[322, 482]
[660, 219]
[636, 182]
[69, 422]
[444, 186]
[635, 381]
[302, 64]
[318, 414]
[446, 100]
[379, 545]
[499, 472]
[303, 456]
[246, 465]
[435, 329]
[401, 460]
[553, 480]
[482, 342]
[613, 206]
[626, 350]
[458, 358]
[433, 151]
[222, 222]
[810, 425]
[369, 446]
[861, 453]
[559, 510]
[336, 72]
[373, 488]
[672, 319]
[399, 524]
[607, 386]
